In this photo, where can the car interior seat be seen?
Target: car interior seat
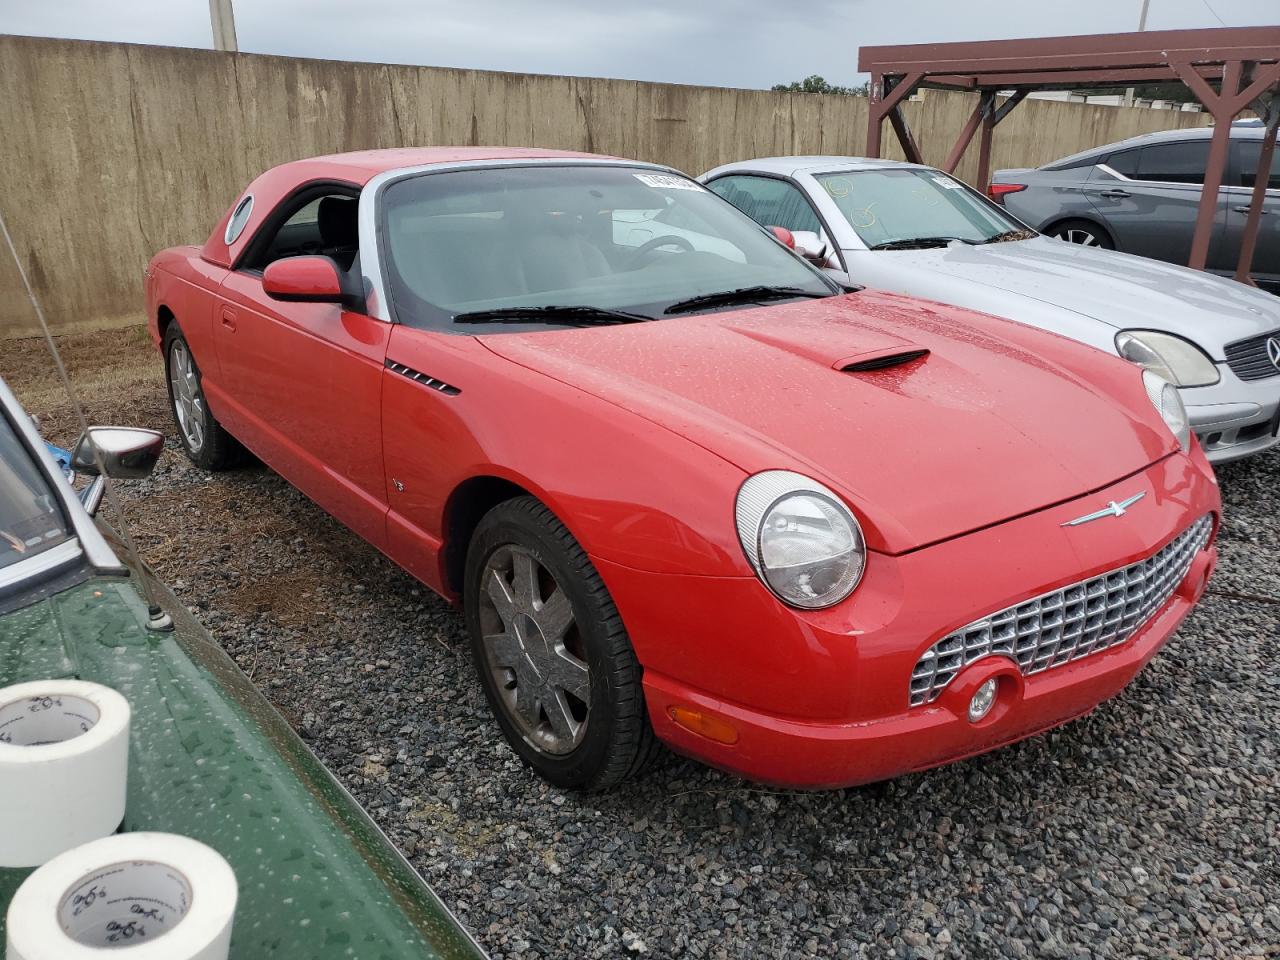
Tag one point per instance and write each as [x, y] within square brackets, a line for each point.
[553, 249]
[337, 219]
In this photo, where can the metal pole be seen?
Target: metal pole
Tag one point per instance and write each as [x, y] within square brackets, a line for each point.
[223, 20]
[1142, 26]
[1223, 114]
[875, 116]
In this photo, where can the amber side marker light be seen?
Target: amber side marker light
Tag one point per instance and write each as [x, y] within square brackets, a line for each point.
[704, 724]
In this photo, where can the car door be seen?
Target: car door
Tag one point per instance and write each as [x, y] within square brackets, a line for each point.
[1149, 197]
[1242, 173]
[307, 377]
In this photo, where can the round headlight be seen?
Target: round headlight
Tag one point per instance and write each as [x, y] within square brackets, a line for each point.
[1179, 361]
[1168, 402]
[800, 538]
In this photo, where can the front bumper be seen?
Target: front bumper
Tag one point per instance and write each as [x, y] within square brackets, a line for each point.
[820, 699]
[1235, 418]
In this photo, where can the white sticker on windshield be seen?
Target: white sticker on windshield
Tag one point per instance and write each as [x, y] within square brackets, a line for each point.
[948, 184]
[665, 181]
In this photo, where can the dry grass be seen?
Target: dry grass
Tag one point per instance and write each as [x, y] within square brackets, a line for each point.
[116, 373]
[186, 521]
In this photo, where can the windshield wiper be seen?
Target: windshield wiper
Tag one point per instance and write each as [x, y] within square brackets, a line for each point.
[911, 243]
[1009, 235]
[742, 295]
[581, 315]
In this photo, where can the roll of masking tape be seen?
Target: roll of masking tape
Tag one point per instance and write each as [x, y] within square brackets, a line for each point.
[64, 761]
[156, 895]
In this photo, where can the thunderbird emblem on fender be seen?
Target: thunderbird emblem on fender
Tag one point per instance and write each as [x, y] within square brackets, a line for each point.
[1112, 509]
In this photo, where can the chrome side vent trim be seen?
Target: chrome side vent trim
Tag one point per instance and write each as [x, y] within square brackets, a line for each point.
[883, 361]
[419, 377]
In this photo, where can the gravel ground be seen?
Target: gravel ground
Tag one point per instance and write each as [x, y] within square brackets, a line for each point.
[1150, 828]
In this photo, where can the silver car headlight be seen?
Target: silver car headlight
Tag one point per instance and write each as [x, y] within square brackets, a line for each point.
[1168, 402]
[800, 538]
[1179, 361]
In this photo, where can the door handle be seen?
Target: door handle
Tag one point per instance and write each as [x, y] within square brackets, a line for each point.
[1264, 211]
[229, 319]
[1115, 194]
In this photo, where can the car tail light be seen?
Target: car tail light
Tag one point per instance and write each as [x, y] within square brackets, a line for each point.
[997, 191]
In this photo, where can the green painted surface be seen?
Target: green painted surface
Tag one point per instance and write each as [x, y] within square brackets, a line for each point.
[211, 759]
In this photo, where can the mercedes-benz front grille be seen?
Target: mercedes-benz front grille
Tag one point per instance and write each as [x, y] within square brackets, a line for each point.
[1250, 360]
[1067, 624]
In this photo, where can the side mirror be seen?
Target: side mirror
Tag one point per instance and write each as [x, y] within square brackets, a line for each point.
[785, 237]
[310, 279]
[126, 453]
[810, 246]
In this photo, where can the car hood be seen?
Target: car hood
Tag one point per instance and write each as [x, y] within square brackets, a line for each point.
[997, 420]
[1116, 289]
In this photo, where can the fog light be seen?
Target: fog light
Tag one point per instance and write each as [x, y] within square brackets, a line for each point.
[983, 701]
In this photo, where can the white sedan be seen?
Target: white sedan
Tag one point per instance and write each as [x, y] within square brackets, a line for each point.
[915, 230]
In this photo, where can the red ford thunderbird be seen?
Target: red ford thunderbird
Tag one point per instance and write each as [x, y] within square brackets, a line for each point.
[684, 487]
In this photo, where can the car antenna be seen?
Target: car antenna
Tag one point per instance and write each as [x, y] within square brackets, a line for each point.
[157, 618]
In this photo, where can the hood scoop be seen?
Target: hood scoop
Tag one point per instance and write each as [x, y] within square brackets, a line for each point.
[879, 359]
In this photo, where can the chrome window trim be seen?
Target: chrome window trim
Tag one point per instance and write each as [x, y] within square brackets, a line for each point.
[91, 541]
[35, 567]
[1116, 173]
[246, 201]
[1155, 183]
[372, 268]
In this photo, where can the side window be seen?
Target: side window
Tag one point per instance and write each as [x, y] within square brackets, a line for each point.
[326, 224]
[1245, 156]
[773, 203]
[1174, 162]
[1125, 162]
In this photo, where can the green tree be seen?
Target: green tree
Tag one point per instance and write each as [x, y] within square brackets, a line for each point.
[816, 84]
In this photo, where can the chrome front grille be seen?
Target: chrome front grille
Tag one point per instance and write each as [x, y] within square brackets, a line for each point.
[1067, 624]
[1249, 358]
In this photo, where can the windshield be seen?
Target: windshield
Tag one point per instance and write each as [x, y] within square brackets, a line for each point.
[30, 518]
[899, 205]
[629, 240]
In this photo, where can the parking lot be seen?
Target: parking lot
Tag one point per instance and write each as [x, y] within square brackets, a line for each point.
[1150, 828]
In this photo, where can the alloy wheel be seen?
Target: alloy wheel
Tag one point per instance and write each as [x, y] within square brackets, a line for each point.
[533, 650]
[188, 400]
[1084, 238]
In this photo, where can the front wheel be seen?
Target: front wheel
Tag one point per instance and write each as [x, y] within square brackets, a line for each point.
[552, 653]
[206, 443]
[1084, 234]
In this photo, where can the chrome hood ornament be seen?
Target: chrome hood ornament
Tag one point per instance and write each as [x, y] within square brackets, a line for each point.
[1112, 509]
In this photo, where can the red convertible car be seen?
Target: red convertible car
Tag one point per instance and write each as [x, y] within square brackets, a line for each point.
[685, 488]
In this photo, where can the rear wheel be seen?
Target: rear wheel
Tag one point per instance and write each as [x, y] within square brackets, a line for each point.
[202, 437]
[552, 653]
[1084, 233]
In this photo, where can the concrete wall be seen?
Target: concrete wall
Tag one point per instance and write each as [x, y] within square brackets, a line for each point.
[110, 152]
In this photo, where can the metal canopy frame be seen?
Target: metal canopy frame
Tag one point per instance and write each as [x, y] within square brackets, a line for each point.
[1228, 70]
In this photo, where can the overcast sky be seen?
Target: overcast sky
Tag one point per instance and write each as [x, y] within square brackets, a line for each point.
[739, 43]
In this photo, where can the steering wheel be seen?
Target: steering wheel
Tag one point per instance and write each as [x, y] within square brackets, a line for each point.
[649, 246]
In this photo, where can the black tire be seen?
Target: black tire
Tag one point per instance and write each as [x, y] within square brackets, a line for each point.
[617, 739]
[216, 449]
[1081, 232]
